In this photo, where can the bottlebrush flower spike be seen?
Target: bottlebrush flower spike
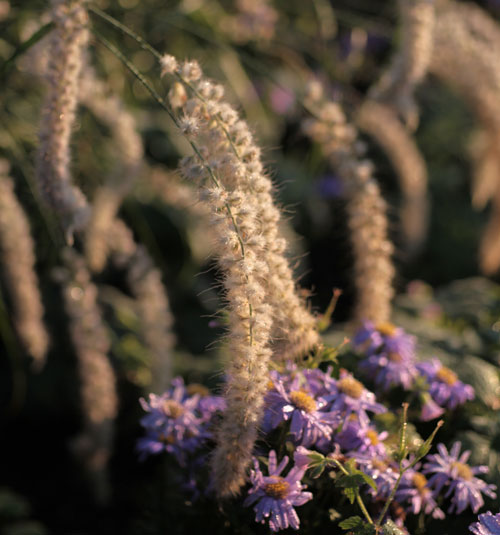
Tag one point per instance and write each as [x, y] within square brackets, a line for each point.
[229, 148]
[18, 259]
[366, 211]
[257, 279]
[98, 384]
[67, 46]
[128, 153]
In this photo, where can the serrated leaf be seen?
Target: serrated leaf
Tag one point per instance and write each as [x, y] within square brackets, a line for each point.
[352, 522]
[350, 493]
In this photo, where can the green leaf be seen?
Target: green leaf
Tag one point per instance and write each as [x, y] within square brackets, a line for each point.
[350, 494]
[367, 479]
[353, 522]
[316, 471]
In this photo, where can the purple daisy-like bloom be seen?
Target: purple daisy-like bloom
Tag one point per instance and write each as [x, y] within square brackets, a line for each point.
[390, 354]
[414, 489]
[365, 440]
[444, 386]
[489, 524]
[177, 422]
[383, 471]
[349, 396]
[275, 496]
[296, 402]
[452, 469]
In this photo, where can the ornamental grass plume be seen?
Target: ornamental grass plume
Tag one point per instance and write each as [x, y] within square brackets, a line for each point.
[467, 47]
[18, 265]
[411, 62]
[229, 148]
[259, 288]
[381, 123]
[366, 210]
[98, 393]
[128, 153]
[144, 281]
[67, 46]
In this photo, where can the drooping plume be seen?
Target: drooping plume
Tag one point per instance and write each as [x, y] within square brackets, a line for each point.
[128, 152]
[257, 280]
[67, 46]
[98, 394]
[145, 284]
[18, 266]
[381, 123]
[366, 211]
[411, 62]
[467, 47]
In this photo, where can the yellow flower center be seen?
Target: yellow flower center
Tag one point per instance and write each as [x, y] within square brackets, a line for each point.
[350, 387]
[373, 437]
[395, 357]
[278, 490]
[463, 470]
[270, 385]
[303, 401]
[419, 480]
[167, 439]
[196, 388]
[447, 376]
[386, 328]
[172, 408]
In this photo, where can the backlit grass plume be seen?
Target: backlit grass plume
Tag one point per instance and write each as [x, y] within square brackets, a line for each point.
[68, 42]
[127, 152]
[236, 160]
[381, 123]
[366, 210]
[98, 393]
[467, 46]
[228, 168]
[411, 62]
[144, 281]
[18, 266]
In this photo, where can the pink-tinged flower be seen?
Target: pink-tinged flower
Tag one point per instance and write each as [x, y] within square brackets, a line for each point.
[275, 496]
[489, 524]
[415, 490]
[296, 401]
[444, 386]
[349, 396]
[430, 409]
[390, 354]
[452, 469]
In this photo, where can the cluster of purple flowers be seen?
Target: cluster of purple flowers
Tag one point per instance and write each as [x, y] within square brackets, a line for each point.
[178, 421]
[390, 360]
[489, 524]
[333, 416]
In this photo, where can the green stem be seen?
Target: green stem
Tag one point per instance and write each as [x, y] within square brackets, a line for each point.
[389, 500]
[363, 508]
[24, 47]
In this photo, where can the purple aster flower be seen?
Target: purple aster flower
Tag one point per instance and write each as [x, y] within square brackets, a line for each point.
[176, 421]
[390, 354]
[296, 402]
[444, 386]
[349, 396]
[489, 524]
[452, 469]
[365, 440]
[384, 472]
[414, 489]
[275, 496]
